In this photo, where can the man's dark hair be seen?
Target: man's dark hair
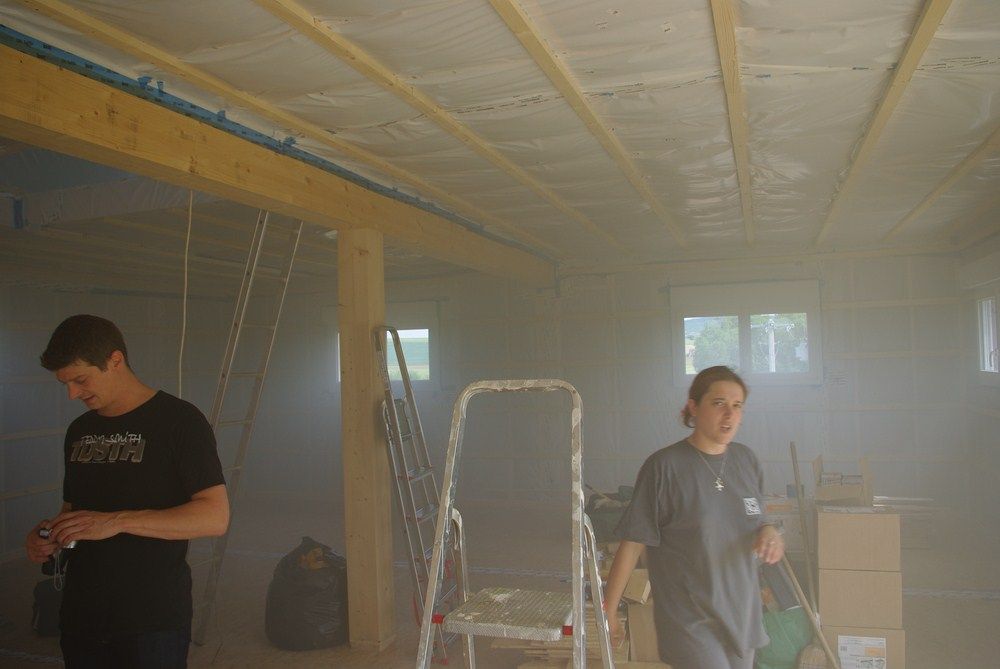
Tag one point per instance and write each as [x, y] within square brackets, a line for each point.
[86, 338]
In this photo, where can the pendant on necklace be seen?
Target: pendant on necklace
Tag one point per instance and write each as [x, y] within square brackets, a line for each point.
[718, 484]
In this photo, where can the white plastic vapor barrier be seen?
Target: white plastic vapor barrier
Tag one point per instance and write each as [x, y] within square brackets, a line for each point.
[812, 74]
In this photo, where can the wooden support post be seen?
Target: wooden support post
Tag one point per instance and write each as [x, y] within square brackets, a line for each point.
[367, 501]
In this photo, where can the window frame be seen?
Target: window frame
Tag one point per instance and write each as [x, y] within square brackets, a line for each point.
[416, 315]
[987, 377]
[744, 300]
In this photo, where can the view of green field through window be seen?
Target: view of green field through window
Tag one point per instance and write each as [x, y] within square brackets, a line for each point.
[417, 351]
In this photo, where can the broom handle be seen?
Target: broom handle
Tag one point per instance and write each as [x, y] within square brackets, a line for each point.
[806, 543]
[810, 613]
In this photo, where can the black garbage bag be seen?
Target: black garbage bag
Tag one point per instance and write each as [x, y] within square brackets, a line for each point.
[307, 599]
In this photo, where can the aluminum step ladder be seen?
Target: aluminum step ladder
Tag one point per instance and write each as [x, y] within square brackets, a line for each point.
[269, 326]
[416, 489]
[510, 612]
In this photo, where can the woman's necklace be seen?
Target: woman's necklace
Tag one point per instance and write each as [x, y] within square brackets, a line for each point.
[719, 485]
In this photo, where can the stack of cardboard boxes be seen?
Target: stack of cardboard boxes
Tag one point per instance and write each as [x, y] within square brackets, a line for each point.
[861, 587]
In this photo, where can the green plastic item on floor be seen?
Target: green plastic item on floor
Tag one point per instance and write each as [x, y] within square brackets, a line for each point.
[790, 632]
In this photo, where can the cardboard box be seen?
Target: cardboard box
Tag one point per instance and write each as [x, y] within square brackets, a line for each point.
[861, 541]
[863, 647]
[643, 645]
[638, 587]
[849, 598]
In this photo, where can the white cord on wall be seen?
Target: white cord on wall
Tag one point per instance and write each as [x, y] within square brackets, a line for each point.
[184, 298]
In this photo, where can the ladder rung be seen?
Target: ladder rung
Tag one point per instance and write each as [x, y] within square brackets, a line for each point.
[228, 423]
[232, 469]
[418, 474]
[448, 595]
[270, 276]
[425, 512]
[244, 375]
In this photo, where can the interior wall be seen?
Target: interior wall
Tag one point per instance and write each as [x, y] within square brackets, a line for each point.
[898, 338]
[894, 385]
[983, 406]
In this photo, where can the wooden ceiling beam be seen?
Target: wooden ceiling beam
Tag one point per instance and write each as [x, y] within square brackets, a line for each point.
[300, 19]
[559, 74]
[927, 24]
[723, 16]
[123, 41]
[991, 144]
[56, 109]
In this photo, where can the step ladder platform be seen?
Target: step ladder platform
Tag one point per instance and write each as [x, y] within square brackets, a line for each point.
[512, 613]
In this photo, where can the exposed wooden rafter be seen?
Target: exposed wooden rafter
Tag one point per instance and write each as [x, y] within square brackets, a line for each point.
[299, 18]
[991, 144]
[723, 15]
[53, 108]
[119, 39]
[559, 74]
[930, 17]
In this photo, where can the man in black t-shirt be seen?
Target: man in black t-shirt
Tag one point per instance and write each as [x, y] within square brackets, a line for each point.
[142, 477]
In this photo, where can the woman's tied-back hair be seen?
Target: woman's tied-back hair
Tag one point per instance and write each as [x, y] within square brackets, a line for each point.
[703, 381]
[86, 338]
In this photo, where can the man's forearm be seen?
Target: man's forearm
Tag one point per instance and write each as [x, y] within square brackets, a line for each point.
[197, 518]
[206, 515]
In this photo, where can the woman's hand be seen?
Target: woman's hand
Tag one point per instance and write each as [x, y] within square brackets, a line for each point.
[769, 545]
[616, 629]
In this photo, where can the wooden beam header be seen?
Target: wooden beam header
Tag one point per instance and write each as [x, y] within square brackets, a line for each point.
[56, 109]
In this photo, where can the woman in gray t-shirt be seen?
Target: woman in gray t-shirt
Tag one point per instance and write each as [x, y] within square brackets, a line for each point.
[698, 509]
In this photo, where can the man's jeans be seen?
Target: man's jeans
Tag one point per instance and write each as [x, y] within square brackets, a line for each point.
[151, 650]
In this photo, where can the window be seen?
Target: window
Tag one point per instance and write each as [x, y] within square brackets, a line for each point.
[711, 340]
[416, 322]
[988, 351]
[779, 343]
[416, 346]
[416, 349]
[767, 331]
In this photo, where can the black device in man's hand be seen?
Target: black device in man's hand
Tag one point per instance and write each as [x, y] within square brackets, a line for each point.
[56, 564]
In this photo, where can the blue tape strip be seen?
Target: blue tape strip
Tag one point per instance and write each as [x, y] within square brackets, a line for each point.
[217, 119]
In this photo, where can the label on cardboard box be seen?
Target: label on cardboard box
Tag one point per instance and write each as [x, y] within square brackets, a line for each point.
[867, 647]
[861, 652]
